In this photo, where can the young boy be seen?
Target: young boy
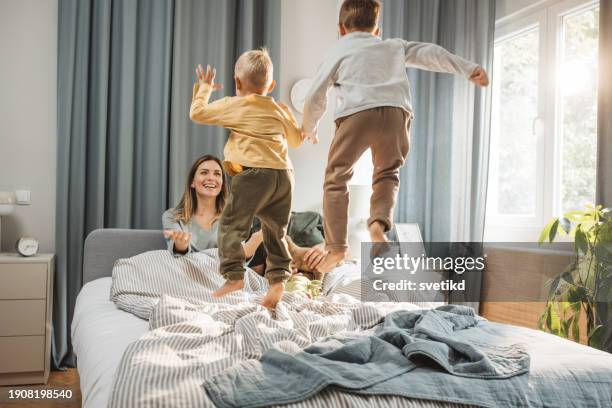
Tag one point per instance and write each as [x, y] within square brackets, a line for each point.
[373, 111]
[256, 156]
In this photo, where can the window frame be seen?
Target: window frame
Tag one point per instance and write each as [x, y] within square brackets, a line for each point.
[548, 17]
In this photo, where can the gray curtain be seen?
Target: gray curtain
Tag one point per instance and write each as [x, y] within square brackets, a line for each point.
[215, 33]
[443, 184]
[125, 72]
[604, 138]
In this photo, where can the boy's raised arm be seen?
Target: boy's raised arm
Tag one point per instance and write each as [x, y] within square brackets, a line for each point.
[432, 57]
[201, 110]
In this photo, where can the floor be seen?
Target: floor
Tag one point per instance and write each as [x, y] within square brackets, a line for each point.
[58, 380]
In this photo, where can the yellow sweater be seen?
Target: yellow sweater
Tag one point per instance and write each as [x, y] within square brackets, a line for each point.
[260, 128]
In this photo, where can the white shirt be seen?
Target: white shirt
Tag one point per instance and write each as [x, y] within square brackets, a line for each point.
[368, 72]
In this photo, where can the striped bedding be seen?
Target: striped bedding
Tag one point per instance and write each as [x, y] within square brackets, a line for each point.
[193, 336]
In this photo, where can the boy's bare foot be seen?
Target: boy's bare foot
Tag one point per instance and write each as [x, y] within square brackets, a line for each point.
[331, 260]
[380, 242]
[228, 287]
[273, 296]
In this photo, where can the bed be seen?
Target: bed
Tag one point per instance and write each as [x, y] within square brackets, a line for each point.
[101, 332]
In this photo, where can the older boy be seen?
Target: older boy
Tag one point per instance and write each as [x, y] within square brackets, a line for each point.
[374, 111]
[256, 156]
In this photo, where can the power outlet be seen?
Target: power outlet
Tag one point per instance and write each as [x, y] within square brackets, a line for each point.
[23, 197]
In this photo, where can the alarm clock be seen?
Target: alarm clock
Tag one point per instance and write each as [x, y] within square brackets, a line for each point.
[27, 246]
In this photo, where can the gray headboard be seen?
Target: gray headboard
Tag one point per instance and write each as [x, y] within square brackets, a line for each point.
[104, 246]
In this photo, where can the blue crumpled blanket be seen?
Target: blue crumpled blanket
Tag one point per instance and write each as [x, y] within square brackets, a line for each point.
[379, 362]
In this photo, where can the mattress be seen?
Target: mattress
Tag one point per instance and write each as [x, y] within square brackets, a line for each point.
[101, 332]
[100, 335]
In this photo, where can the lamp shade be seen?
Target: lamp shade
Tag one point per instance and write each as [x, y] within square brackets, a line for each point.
[359, 201]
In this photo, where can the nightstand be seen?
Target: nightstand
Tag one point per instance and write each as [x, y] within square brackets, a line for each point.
[26, 295]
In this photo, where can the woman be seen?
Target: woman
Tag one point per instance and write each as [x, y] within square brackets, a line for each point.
[193, 224]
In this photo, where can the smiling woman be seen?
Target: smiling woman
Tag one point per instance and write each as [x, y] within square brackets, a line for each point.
[192, 225]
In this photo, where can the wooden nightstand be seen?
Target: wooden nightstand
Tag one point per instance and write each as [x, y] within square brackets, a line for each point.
[26, 295]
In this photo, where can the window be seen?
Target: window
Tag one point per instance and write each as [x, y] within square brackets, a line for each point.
[577, 117]
[544, 118]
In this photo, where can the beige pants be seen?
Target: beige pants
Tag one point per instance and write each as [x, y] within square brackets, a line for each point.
[386, 131]
[265, 193]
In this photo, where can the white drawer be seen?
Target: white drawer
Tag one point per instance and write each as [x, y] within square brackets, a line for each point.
[22, 317]
[23, 281]
[22, 354]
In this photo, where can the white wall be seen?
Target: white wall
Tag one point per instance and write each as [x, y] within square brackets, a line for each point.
[308, 30]
[28, 101]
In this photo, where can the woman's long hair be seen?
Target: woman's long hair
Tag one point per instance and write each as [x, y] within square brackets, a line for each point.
[189, 202]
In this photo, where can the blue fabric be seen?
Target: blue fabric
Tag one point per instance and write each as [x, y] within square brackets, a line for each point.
[410, 354]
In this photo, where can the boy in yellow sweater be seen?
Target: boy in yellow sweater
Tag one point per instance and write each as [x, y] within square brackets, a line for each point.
[256, 156]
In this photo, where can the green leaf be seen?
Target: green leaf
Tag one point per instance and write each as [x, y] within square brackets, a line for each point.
[576, 216]
[576, 327]
[596, 336]
[554, 285]
[565, 328]
[565, 224]
[542, 320]
[553, 231]
[553, 323]
[567, 275]
[580, 242]
[577, 294]
[576, 307]
[604, 291]
[603, 251]
[607, 246]
[546, 231]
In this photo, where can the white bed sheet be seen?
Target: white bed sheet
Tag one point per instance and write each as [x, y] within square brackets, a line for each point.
[100, 335]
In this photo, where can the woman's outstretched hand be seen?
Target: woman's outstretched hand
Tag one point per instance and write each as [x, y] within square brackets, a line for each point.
[207, 77]
[181, 239]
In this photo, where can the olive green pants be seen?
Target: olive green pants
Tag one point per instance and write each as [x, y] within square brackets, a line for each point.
[265, 193]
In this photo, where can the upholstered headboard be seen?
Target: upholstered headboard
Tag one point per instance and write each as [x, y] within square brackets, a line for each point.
[104, 246]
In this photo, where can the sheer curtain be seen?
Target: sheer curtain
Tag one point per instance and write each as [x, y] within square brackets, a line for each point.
[604, 137]
[443, 185]
[444, 182]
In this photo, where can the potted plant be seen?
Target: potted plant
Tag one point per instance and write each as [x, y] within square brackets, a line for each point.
[586, 284]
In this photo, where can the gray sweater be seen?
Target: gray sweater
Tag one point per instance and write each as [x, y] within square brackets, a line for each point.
[201, 238]
[368, 72]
